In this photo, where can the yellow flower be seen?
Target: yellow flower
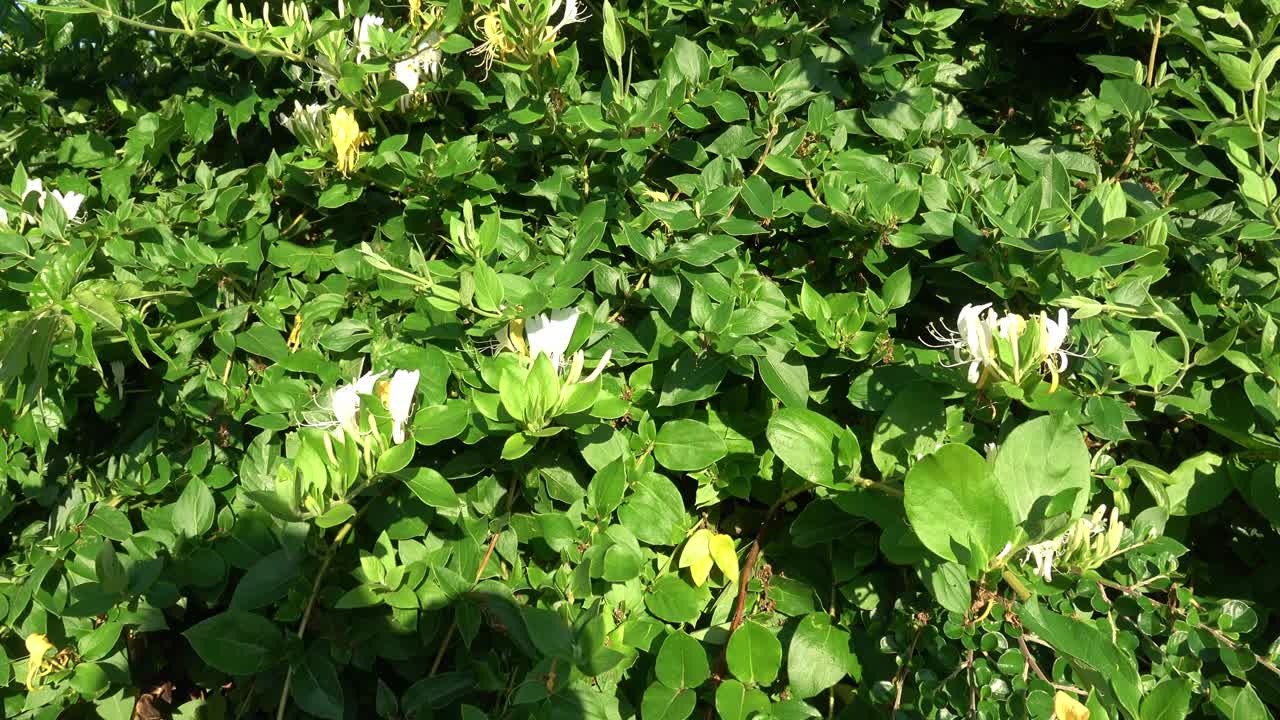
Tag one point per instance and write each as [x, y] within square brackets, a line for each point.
[37, 646]
[1066, 707]
[347, 138]
[496, 43]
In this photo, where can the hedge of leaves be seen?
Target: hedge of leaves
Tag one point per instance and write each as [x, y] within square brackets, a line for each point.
[651, 359]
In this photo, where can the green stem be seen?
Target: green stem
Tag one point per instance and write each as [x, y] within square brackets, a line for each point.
[167, 330]
[311, 603]
[107, 14]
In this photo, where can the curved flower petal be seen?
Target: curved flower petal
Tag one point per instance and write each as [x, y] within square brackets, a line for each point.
[400, 400]
[550, 334]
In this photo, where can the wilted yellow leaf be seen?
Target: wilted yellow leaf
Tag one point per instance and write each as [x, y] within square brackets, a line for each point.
[1066, 707]
[697, 556]
[722, 552]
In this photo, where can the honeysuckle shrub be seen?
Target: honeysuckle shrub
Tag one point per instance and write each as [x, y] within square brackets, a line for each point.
[649, 359]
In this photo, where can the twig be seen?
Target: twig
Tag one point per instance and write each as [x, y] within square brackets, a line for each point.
[1207, 628]
[768, 145]
[900, 680]
[1137, 132]
[1035, 667]
[744, 578]
[973, 688]
[1151, 58]
[626, 297]
[234, 45]
[484, 562]
[311, 604]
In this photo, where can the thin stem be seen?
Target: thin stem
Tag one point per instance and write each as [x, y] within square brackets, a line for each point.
[748, 567]
[493, 543]
[1151, 58]
[900, 680]
[311, 603]
[176, 327]
[1035, 667]
[106, 13]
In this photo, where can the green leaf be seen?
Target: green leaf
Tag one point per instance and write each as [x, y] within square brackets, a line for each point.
[788, 380]
[614, 41]
[317, 688]
[1170, 699]
[110, 523]
[663, 703]
[655, 511]
[691, 378]
[432, 489]
[803, 440]
[1237, 71]
[1040, 460]
[897, 288]
[339, 194]
[396, 457]
[109, 570]
[949, 584]
[754, 654]
[1239, 703]
[682, 663]
[436, 423]
[1103, 663]
[193, 513]
[674, 600]
[1126, 96]
[688, 445]
[237, 642]
[266, 582]
[735, 701]
[759, 196]
[956, 506]
[818, 656]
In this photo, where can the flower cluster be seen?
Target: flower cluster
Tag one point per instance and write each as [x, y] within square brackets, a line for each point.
[506, 33]
[307, 123]
[70, 201]
[318, 125]
[396, 395]
[550, 334]
[348, 138]
[1088, 543]
[1009, 346]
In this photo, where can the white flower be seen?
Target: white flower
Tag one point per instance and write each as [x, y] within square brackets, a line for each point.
[346, 399]
[430, 58]
[406, 72]
[971, 342]
[975, 332]
[400, 400]
[1043, 554]
[4, 217]
[117, 372]
[573, 13]
[308, 123]
[70, 203]
[364, 44]
[1054, 335]
[550, 333]
[34, 185]
[426, 62]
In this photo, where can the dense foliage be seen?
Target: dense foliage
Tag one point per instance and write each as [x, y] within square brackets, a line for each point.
[656, 359]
